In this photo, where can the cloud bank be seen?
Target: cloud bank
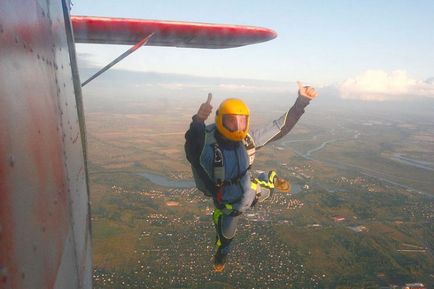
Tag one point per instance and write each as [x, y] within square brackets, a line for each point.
[379, 85]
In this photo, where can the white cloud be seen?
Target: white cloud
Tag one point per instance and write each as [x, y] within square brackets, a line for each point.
[379, 85]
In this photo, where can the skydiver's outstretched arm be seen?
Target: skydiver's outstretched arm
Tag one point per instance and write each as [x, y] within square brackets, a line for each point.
[194, 141]
[195, 136]
[281, 126]
[290, 118]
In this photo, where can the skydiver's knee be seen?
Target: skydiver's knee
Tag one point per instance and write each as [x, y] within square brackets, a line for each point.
[228, 226]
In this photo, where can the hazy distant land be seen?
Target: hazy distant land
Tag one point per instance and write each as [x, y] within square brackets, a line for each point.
[364, 217]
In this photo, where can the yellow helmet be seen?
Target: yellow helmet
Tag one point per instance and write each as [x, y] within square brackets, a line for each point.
[232, 119]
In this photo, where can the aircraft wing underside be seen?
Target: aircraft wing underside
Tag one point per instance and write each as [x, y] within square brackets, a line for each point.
[166, 33]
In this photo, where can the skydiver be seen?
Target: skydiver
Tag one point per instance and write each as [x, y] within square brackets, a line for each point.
[221, 155]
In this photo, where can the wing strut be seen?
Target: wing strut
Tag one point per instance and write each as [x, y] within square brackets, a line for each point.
[122, 56]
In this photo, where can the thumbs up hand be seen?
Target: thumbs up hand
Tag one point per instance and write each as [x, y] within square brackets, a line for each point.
[306, 91]
[205, 109]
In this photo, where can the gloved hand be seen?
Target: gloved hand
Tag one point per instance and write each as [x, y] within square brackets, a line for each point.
[205, 109]
[279, 184]
[282, 185]
[306, 91]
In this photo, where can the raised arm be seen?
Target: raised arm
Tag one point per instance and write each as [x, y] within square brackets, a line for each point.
[195, 136]
[281, 126]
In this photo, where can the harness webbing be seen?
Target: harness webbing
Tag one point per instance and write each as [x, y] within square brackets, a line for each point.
[218, 174]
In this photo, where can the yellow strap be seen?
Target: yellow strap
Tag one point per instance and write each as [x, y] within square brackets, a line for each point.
[227, 210]
[253, 186]
[265, 184]
[271, 177]
[216, 215]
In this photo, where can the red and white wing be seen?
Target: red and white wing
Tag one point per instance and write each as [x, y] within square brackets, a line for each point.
[166, 33]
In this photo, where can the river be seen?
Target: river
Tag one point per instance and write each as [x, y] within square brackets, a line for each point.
[370, 172]
[412, 162]
[166, 182]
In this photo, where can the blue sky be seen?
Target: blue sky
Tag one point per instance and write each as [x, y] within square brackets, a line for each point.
[367, 49]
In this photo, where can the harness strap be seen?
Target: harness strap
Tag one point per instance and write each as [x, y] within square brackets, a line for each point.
[237, 179]
[226, 209]
[218, 165]
[218, 174]
[250, 146]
